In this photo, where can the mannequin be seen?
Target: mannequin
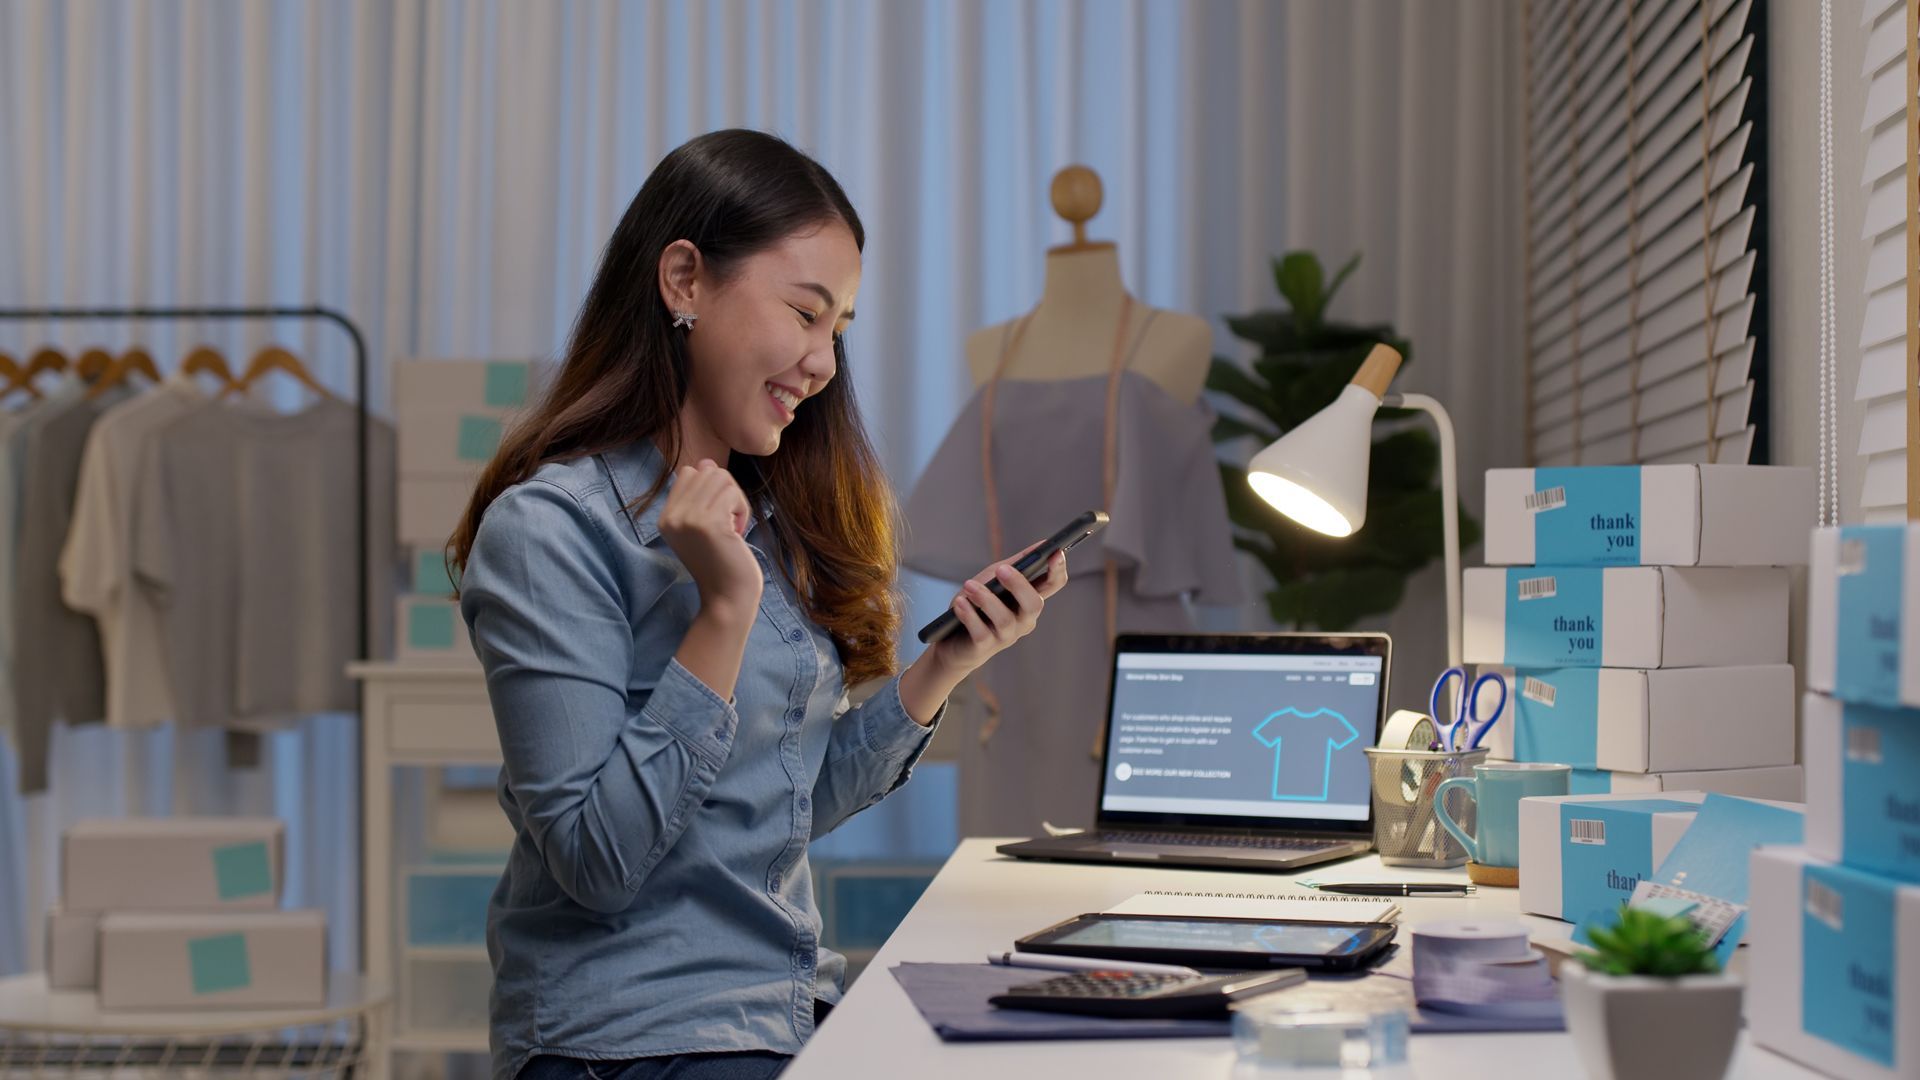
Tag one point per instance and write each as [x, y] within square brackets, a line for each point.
[1069, 331]
[1090, 401]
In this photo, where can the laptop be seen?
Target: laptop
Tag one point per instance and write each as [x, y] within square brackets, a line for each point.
[1242, 751]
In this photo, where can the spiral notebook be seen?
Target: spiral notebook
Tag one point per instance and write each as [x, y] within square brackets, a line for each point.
[1303, 905]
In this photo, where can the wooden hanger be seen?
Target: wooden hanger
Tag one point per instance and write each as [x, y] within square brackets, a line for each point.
[278, 359]
[133, 360]
[206, 360]
[93, 365]
[48, 359]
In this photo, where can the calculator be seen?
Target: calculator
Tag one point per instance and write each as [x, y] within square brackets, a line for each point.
[1142, 995]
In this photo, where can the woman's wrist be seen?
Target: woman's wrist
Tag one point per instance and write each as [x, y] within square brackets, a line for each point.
[926, 685]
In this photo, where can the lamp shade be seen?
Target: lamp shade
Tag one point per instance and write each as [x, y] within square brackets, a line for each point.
[1316, 474]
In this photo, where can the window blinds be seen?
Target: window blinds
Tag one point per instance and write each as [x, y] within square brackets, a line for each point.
[1886, 376]
[1644, 275]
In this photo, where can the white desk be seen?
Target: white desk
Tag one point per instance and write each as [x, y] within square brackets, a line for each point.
[983, 901]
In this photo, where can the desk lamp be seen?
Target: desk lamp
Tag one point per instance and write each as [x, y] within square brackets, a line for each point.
[1316, 474]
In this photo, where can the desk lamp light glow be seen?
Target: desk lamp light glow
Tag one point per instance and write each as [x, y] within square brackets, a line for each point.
[1316, 474]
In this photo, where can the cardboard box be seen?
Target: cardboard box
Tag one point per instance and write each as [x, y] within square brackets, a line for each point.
[261, 959]
[73, 949]
[1582, 855]
[1863, 614]
[1863, 786]
[1649, 515]
[427, 571]
[448, 445]
[1639, 720]
[432, 631]
[1780, 783]
[500, 388]
[1626, 616]
[431, 508]
[172, 864]
[1834, 971]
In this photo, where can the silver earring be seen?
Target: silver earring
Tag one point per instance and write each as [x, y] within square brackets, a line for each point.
[683, 318]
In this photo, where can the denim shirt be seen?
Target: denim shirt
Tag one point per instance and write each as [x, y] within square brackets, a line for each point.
[657, 899]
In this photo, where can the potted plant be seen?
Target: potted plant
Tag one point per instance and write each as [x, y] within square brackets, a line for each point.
[1650, 1001]
[1305, 360]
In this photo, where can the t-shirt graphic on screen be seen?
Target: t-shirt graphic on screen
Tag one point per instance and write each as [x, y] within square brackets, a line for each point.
[1251, 735]
[1303, 745]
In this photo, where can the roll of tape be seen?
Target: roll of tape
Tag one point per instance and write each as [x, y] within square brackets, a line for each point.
[1484, 967]
[1407, 730]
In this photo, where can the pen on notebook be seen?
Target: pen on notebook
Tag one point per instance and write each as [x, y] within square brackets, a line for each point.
[1083, 963]
[1393, 888]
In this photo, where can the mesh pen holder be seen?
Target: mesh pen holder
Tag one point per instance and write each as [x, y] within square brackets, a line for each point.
[1405, 830]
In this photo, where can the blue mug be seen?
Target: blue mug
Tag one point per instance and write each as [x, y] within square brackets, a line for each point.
[1496, 789]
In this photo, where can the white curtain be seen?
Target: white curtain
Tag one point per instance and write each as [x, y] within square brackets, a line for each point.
[446, 172]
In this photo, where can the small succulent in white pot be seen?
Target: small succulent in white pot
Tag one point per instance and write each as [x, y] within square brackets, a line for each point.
[1650, 1002]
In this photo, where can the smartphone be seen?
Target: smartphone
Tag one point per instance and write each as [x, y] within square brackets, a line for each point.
[1031, 566]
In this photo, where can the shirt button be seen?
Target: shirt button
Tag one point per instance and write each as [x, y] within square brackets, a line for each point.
[774, 883]
[795, 635]
[796, 715]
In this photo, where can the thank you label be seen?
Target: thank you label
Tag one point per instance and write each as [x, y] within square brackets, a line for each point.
[1593, 518]
[1606, 849]
[1848, 949]
[1553, 618]
[1867, 595]
[1880, 791]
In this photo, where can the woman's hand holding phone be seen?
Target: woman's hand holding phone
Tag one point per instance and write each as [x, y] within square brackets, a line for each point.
[991, 624]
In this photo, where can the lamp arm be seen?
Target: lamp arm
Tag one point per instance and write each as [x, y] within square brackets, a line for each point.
[1449, 513]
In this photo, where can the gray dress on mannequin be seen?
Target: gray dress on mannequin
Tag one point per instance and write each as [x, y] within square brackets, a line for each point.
[1169, 541]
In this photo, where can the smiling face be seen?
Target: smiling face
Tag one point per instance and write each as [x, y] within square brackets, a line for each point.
[763, 342]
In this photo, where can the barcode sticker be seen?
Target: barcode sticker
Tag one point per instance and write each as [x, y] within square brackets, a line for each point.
[1827, 905]
[1853, 558]
[1538, 690]
[1539, 588]
[1587, 831]
[1863, 744]
[1552, 498]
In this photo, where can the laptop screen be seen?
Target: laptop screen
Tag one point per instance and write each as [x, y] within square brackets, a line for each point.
[1256, 730]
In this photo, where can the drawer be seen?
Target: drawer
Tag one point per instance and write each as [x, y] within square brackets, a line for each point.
[458, 723]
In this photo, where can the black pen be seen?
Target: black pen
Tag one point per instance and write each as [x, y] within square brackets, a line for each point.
[1393, 888]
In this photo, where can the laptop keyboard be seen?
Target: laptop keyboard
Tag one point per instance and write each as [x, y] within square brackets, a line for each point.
[1264, 843]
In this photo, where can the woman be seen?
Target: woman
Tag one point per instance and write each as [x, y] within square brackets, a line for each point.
[673, 571]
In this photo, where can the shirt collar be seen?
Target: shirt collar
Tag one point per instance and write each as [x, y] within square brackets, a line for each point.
[634, 468]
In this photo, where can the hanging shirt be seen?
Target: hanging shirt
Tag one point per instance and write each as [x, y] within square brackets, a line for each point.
[96, 566]
[11, 423]
[245, 538]
[57, 670]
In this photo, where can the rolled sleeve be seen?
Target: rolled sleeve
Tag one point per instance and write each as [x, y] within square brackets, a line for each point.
[697, 716]
[871, 753]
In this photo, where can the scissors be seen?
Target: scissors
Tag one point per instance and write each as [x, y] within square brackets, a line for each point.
[1467, 721]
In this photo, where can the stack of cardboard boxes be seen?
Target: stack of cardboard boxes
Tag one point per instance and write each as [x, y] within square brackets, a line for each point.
[1640, 616]
[172, 913]
[1835, 971]
[451, 416]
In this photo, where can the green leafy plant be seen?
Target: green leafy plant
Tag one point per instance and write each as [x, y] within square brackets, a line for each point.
[1643, 942]
[1305, 360]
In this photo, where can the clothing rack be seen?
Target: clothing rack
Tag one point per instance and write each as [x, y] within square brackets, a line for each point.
[257, 314]
[261, 314]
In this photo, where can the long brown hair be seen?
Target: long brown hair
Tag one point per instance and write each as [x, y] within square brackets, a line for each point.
[731, 193]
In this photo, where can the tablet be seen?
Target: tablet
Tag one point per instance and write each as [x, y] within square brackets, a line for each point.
[1211, 942]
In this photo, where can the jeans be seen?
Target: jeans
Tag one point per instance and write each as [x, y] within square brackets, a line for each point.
[736, 1065]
